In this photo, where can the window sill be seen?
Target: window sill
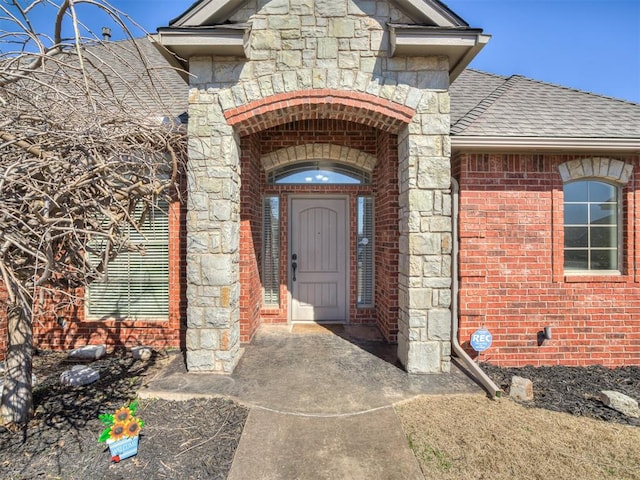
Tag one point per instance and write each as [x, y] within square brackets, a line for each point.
[614, 277]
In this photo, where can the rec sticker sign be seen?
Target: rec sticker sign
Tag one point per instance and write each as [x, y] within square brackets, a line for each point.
[481, 340]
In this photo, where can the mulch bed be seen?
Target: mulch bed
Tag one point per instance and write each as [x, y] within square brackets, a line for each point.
[195, 439]
[574, 389]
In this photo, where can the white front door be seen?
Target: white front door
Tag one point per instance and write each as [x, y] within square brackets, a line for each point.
[318, 249]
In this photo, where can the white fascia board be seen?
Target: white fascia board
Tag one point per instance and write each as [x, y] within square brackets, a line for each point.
[497, 144]
[224, 40]
[209, 12]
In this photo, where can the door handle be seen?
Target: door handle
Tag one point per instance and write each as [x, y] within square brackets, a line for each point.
[294, 265]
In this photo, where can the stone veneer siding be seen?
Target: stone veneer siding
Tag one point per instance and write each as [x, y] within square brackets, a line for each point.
[511, 262]
[318, 59]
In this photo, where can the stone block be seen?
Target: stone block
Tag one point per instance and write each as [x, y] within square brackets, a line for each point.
[209, 339]
[327, 48]
[79, 375]
[142, 353]
[342, 28]
[216, 269]
[200, 361]
[330, 8]
[284, 22]
[88, 353]
[439, 327]
[420, 298]
[423, 357]
[521, 389]
[275, 7]
[265, 40]
[425, 244]
[434, 172]
[620, 402]
[217, 317]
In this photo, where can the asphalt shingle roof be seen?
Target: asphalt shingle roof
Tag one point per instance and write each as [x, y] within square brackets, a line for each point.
[483, 104]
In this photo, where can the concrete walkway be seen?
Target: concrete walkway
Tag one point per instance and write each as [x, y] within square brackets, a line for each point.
[320, 404]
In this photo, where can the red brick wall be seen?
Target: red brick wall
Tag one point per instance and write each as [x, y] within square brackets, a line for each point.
[387, 235]
[511, 267]
[337, 132]
[250, 238]
[59, 322]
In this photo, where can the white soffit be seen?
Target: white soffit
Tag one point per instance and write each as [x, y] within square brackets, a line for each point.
[219, 40]
[460, 45]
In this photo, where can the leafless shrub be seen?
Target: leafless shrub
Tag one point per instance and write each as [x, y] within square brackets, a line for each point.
[87, 134]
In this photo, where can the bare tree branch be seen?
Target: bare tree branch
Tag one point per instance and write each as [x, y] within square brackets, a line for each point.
[87, 136]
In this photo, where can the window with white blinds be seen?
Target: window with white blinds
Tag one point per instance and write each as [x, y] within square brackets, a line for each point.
[271, 250]
[136, 286]
[365, 252]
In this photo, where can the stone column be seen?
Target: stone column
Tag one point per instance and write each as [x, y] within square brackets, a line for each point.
[213, 216]
[424, 322]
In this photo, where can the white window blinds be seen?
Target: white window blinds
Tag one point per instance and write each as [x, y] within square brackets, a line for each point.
[365, 252]
[271, 250]
[136, 285]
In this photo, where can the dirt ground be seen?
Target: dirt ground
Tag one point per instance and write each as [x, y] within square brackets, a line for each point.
[194, 439]
[564, 433]
[453, 437]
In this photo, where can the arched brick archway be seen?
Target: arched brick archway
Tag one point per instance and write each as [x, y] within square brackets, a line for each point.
[282, 108]
[318, 151]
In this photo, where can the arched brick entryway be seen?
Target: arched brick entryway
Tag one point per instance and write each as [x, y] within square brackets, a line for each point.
[411, 184]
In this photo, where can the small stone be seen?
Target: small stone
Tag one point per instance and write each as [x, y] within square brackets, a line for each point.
[521, 389]
[620, 402]
[79, 375]
[89, 352]
[141, 353]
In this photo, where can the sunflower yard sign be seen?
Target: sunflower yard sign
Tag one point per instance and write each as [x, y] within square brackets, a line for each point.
[122, 432]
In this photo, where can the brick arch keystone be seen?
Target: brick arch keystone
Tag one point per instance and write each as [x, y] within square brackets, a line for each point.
[599, 167]
[324, 103]
[318, 151]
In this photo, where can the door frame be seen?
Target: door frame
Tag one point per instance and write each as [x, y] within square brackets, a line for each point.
[347, 212]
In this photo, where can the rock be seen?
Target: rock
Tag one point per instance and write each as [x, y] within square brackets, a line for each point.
[79, 375]
[620, 402]
[142, 353]
[521, 389]
[90, 352]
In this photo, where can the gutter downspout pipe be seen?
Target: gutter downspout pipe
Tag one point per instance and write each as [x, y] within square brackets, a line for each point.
[480, 376]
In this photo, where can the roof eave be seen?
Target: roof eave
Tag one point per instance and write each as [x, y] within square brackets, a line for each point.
[217, 11]
[459, 45]
[544, 144]
[219, 40]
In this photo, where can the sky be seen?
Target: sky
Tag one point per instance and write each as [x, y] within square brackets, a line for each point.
[591, 45]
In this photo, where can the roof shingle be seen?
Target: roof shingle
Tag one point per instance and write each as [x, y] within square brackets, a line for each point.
[483, 104]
